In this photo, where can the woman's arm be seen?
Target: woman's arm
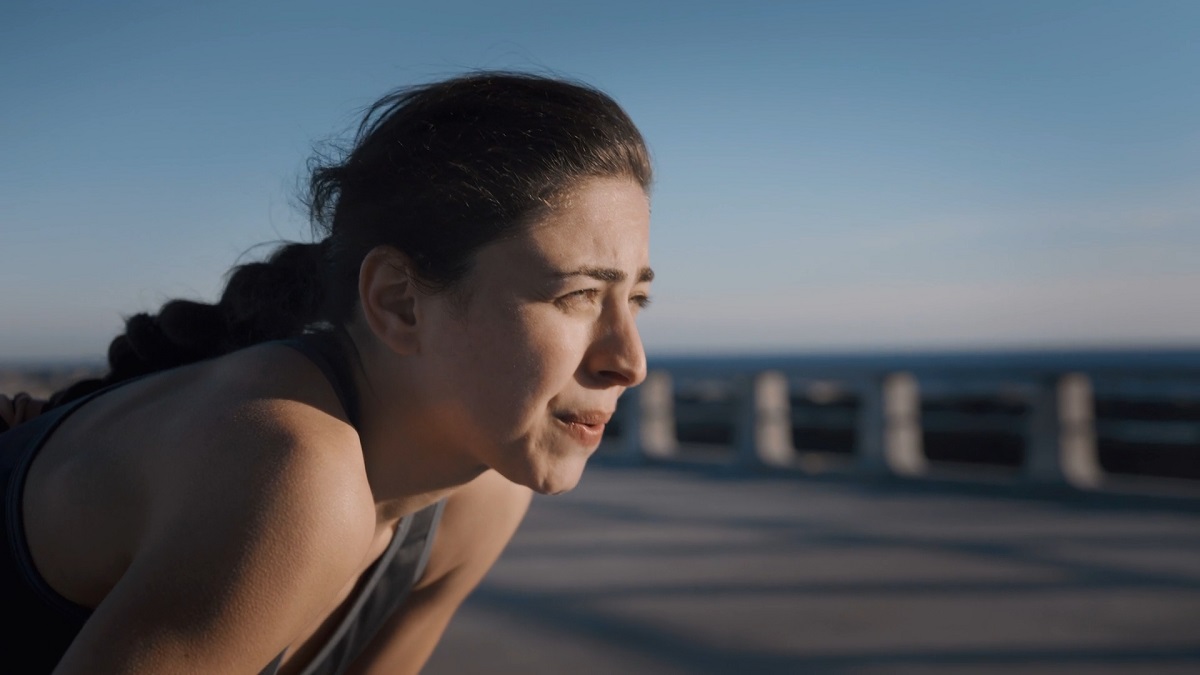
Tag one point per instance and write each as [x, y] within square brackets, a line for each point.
[478, 522]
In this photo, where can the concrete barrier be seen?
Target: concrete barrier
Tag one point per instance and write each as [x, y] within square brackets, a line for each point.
[648, 419]
[763, 428]
[1060, 427]
[889, 427]
[1061, 440]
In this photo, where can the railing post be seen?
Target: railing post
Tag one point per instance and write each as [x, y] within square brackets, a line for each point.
[1061, 442]
[648, 425]
[889, 427]
[763, 431]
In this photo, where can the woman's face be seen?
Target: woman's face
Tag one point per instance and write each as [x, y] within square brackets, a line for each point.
[532, 361]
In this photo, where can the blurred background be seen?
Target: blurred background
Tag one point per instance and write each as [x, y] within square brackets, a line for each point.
[999, 201]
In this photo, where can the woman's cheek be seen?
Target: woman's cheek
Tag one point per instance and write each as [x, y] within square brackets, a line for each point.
[564, 345]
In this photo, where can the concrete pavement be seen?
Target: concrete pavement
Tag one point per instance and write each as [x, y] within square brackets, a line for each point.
[706, 570]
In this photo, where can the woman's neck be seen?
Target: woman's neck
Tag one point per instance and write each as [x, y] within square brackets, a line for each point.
[409, 462]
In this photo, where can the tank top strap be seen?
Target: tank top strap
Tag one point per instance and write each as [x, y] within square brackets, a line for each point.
[324, 350]
[386, 585]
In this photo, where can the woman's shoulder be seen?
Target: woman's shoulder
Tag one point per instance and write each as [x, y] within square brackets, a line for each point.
[246, 546]
[264, 387]
[270, 424]
[255, 438]
[260, 416]
[216, 503]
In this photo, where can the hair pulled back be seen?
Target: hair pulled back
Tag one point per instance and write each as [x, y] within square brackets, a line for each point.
[437, 171]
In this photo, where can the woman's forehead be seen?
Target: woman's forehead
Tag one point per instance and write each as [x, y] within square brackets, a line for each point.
[603, 234]
[605, 223]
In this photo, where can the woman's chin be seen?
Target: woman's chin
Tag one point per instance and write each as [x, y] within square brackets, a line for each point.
[545, 468]
[556, 477]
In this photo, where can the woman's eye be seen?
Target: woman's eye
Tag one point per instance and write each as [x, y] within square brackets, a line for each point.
[581, 297]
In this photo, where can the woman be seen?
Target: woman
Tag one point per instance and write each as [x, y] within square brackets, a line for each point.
[256, 484]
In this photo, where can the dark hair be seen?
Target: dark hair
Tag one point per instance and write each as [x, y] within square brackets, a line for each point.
[437, 171]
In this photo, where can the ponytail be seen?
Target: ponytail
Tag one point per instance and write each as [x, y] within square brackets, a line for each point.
[269, 300]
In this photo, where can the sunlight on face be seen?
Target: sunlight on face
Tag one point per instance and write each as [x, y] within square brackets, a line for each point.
[547, 340]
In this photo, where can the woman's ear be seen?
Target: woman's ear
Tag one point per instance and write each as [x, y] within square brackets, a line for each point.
[390, 298]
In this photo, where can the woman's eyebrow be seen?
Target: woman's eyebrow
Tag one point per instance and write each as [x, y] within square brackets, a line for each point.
[609, 274]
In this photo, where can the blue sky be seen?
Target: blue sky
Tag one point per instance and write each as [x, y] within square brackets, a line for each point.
[831, 174]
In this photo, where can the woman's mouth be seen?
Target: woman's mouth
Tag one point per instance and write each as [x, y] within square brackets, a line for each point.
[587, 427]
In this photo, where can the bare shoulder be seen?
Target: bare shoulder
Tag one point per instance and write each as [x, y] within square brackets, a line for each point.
[258, 517]
[265, 425]
[278, 459]
[271, 452]
[254, 437]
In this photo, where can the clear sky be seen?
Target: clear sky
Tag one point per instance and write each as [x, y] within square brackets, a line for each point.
[832, 174]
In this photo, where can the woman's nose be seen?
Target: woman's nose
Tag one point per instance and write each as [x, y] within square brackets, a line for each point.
[618, 357]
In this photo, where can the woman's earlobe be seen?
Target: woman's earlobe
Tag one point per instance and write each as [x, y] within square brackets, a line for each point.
[389, 298]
